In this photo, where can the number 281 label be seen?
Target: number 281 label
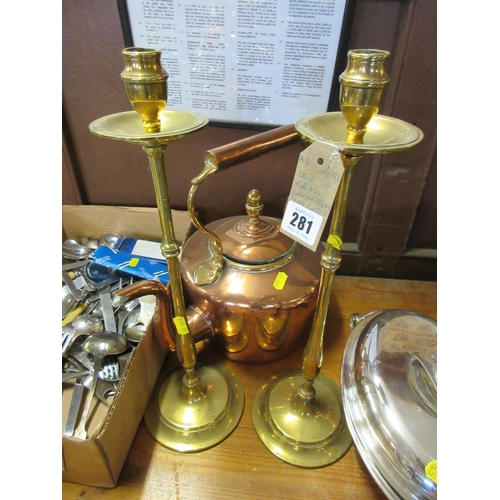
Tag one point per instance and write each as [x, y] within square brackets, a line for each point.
[301, 224]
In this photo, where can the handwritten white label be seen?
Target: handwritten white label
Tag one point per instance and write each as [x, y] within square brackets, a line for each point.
[315, 184]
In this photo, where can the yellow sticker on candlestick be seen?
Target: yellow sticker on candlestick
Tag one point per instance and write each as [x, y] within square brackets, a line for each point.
[181, 325]
[335, 241]
[133, 262]
[431, 470]
[280, 280]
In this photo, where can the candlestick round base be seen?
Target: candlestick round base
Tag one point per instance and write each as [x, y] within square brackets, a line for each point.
[190, 419]
[306, 434]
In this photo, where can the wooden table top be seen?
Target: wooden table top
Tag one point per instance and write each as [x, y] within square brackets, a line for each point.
[241, 467]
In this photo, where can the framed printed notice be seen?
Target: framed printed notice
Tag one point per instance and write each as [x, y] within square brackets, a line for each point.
[261, 63]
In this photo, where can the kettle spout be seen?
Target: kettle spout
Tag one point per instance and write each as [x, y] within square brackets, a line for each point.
[163, 325]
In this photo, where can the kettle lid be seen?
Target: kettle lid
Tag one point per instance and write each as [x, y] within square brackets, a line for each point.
[253, 239]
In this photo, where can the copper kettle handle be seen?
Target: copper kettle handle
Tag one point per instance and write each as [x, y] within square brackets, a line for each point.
[224, 157]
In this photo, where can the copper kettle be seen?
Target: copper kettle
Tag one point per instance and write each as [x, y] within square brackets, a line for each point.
[252, 290]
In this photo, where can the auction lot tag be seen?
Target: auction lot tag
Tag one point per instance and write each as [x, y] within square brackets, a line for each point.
[315, 184]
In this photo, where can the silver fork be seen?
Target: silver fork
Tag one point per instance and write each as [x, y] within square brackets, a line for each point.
[110, 370]
[67, 331]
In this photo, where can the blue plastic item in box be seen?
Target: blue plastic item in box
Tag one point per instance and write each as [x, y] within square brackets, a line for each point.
[136, 265]
[143, 248]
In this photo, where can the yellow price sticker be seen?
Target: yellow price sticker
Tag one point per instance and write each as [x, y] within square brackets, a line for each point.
[431, 470]
[133, 262]
[335, 241]
[181, 325]
[280, 280]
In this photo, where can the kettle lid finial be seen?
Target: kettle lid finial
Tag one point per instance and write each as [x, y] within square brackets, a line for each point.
[254, 205]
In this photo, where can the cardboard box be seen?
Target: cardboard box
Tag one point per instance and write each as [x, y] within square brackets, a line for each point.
[98, 460]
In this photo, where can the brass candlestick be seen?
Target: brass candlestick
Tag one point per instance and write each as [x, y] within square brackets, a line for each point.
[298, 415]
[190, 409]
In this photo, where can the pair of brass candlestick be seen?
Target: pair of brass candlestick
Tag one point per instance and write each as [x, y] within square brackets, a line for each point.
[298, 415]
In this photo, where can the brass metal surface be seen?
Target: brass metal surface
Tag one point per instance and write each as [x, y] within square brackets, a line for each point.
[127, 126]
[355, 131]
[193, 418]
[362, 84]
[383, 134]
[330, 262]
[145, 83]
[308, 434]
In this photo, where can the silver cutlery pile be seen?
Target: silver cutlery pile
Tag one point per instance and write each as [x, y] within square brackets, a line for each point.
[95, 348]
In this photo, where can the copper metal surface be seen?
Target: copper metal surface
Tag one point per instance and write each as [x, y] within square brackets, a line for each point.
[253, 321]
[238, 308]
[224, 157]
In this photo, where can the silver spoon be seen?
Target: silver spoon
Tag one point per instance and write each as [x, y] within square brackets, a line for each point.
[135, 333]
[97, 312]
[99, 345]
[134, 328]
[131, 305]
[68, 304]
[132, 319]
[121, 317]
[71, 249]
[92, 244]
[123, 313]
[110, 240]
[85, 324]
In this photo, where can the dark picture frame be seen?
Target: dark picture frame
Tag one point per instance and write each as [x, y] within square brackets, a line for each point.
[279, 69]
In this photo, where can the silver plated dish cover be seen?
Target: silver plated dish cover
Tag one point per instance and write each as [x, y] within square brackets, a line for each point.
[389, 392]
